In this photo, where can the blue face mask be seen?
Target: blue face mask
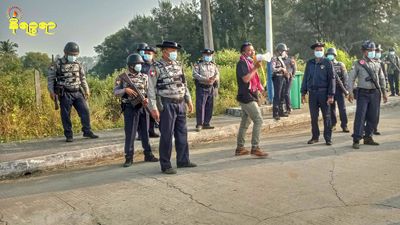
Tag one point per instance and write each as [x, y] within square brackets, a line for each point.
[138, 67]
[207, 58]
[147, 57]
[71, 58]
[371, 54]
[318, 54]
[330, 57]
[173, 55]
[141, 53]
[378, 55]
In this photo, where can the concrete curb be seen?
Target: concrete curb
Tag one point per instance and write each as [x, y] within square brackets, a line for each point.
[17, 168]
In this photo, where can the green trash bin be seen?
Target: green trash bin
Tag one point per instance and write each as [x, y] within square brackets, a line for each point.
[295, 95]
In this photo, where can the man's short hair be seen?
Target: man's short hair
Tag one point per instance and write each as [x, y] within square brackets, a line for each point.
[244, 45]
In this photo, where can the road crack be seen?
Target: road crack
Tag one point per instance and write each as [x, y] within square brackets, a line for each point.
[73, 207]
[324, 207]
[332, 179]
[207, 206]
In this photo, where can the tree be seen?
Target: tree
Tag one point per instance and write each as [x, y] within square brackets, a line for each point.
[8, 47]
[36, 60]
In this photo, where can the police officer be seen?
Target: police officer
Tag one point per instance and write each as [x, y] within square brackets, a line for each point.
[206, 77]
[393, 71]
[370, 87]
[140, 48]
[319, 83]
[67, 80]
[133, 107]
[291, 68]
[279, 72]
[378, 55]
[341, 91]
[169, 95]
[148, 57]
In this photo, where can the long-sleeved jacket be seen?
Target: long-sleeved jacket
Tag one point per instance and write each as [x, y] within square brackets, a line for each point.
[341, 71]
[319, 75]
[291, 66]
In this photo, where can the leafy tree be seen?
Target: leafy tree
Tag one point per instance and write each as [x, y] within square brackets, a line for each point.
[36, 60]
[8, 47]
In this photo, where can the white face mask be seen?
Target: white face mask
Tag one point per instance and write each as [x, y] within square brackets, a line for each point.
[138, 67]
[391, 52]
[71, 58]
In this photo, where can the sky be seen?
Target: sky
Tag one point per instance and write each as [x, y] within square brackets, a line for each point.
[86, 22]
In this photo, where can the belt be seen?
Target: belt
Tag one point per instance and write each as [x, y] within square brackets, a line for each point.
[204, 85]
[172, 100]
[71, 90]
[367, 90]
[319, 89]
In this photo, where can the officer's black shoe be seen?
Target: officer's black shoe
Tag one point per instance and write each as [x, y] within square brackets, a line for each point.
[377, 133]
[289, 111]
[328, 142]
[277, 118]
[198, 128]
[208, 127]
[312, 141]
[284, 115]
[333, 127]
[150, 158]
[169, 171]
[153, 135]
[128, 162]
[90, 135]
[391, 95]
[370, 141]
[356, 145]
[69, 139]
[138, 138]
[346, 130]
[189, 164]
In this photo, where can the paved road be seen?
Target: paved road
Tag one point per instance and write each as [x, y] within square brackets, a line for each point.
[298, 184]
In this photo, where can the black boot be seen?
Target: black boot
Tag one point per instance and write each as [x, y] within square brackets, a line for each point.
[90, 135]
[356, 144]
[370, 141]
[150, 158]
[128, 162]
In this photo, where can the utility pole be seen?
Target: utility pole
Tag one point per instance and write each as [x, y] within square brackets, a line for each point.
[207, 27]
[269, 47]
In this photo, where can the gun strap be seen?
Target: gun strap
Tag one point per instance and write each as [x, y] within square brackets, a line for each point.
[370, 73]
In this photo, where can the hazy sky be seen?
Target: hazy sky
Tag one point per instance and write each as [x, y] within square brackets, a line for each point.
[86, 22]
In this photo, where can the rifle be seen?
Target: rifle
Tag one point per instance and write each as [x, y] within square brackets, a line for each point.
[126, 78]
[371, 76]
[394, 64]
[56, 89]
[341, 85]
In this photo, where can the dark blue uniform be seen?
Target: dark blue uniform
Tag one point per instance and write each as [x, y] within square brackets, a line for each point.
[278, 79]
[151, 123]
[319, 83]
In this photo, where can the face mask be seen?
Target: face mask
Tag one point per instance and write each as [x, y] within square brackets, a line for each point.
[173, 55]
[371, 54]
[138, 67]
[71, 58]
[378, 55]
[392, 53]
[284, 55]
[147, 57]
[318, 54]
[141, 53]
[330, 57]
[207, 58]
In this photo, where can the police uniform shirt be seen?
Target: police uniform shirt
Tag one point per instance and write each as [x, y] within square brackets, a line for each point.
[141, 82]
[202, 71]
[319, 75]
[392, 59]
[361, 75]
[291, 66]
[167, 80]
[69, 75]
